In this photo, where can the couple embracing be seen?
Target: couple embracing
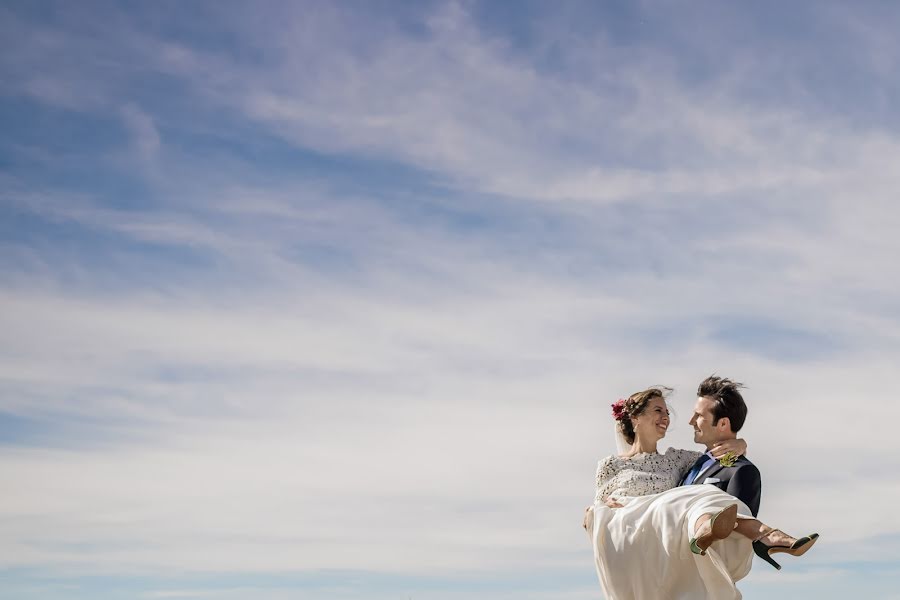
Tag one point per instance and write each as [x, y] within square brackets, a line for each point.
[681, 524]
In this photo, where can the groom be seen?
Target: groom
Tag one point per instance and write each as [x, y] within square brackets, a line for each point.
[718, 415]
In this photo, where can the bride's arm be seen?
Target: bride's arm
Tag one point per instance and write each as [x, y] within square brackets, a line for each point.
[737, 447]
[605, 473]
[683, 459]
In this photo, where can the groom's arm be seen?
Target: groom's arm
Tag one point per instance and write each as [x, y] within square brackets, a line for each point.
[746, 485]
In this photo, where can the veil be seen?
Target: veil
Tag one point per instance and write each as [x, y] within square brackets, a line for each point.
[622, 446]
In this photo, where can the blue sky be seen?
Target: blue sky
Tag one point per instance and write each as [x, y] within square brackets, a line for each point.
[329, 300]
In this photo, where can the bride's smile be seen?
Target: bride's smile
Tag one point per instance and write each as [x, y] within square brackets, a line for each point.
[653, 423]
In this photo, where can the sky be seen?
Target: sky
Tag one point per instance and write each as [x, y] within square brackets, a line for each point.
[329, 301]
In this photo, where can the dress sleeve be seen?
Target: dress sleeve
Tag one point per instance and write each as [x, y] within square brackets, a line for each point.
[684, 459]
[605, 472]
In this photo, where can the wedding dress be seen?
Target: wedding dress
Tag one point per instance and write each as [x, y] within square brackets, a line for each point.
[642, 550]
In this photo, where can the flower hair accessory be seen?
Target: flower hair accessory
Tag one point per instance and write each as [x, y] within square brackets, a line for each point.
[618, 410]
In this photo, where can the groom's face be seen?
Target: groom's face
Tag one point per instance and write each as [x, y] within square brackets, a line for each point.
[705, 432]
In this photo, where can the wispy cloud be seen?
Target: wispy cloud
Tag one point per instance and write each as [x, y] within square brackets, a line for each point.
[143, 131]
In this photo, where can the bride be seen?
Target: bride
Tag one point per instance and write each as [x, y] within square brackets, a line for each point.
[653, 540]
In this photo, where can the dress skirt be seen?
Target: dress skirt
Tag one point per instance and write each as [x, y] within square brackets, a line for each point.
[642, 550]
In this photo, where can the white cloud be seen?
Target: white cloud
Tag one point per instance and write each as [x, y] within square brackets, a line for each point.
[143, 131]
[483, 423]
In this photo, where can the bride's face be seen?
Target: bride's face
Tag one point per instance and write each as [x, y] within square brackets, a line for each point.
[653, 423]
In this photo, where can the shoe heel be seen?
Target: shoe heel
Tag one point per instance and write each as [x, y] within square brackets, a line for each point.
[762, 551]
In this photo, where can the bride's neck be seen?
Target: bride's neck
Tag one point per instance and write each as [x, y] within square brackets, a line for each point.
[640, 446]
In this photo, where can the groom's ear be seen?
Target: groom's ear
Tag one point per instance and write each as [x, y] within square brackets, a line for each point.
[724, 425]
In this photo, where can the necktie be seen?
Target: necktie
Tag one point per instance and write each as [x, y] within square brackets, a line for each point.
[699, 466]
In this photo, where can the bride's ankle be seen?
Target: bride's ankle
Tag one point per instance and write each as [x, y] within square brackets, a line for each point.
[699, 525]
[775, 537]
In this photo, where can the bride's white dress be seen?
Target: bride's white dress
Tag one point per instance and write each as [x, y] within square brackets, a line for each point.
[642, 550]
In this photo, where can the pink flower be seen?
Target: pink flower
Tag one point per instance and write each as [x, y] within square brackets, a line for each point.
[618, 410]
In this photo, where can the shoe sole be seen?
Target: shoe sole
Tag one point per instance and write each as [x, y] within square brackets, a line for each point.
[721, 526]
[797, 550]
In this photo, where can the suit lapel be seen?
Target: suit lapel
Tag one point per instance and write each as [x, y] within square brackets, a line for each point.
[708, 472]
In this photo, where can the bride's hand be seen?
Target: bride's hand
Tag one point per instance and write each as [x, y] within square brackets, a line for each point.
[587, 513]
[737, 447]
[613, 504]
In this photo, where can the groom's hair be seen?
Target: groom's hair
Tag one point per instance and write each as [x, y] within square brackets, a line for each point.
[728, 400]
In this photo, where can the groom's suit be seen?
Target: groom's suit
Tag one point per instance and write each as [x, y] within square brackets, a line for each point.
[742, 480]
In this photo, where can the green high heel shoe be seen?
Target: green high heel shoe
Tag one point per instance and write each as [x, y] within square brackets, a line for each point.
[720, 524]
[798, 548]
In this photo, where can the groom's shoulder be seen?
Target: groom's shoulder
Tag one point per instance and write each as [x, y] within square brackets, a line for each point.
[745, 466]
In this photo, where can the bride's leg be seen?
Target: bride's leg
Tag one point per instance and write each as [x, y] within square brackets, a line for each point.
[768, 541]
[757, 530]
[752, 529]
[701, 520]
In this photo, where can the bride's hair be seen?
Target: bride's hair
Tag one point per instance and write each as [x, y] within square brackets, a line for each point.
[635, 405]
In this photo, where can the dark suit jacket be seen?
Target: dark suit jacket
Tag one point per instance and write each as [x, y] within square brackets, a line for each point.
[741, 481]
